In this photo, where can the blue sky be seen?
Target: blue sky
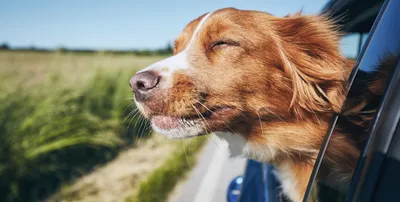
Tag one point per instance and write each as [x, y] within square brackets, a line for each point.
[117, 24]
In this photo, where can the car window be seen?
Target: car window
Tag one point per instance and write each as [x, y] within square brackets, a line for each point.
[372, 72]
[350, 44]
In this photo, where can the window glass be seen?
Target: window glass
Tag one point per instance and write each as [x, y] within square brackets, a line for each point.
[350, 44]
[351, 129]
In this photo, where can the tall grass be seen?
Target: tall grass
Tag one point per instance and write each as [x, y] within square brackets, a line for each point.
[50, 132]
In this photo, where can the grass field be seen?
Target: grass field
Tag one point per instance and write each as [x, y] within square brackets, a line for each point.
[60, 116]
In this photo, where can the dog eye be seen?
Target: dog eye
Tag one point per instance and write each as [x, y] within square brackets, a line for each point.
[224, 43]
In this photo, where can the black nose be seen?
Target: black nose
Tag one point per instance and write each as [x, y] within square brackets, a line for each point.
[142, 82]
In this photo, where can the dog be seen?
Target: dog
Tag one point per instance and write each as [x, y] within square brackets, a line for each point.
[267, 85]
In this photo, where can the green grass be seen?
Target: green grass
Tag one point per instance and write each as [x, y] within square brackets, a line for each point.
[162, 181]
[61, 115]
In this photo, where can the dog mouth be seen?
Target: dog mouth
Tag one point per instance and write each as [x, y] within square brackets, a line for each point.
[209, 121]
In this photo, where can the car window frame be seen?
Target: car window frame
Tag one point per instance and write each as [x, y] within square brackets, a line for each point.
[386, 187]
[335, 118]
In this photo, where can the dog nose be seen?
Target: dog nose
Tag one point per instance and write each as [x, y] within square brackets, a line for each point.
[142, 82]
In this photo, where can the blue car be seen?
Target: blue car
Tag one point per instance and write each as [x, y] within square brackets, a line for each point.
[377, 173]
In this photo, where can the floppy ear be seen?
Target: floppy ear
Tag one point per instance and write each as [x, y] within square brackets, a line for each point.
[309, 51]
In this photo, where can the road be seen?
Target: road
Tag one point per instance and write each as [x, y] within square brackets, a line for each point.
[209, 180]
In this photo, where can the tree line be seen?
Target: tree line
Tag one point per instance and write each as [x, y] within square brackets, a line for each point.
[167, 50]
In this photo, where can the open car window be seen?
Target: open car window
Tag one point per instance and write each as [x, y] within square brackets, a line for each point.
[379, 54]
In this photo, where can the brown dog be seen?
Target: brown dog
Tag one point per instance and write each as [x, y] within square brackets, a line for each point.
[266, 84]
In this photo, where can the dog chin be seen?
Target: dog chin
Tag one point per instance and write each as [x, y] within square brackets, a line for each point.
[178, 132]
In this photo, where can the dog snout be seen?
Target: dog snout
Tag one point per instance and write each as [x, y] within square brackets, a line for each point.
[142, 83]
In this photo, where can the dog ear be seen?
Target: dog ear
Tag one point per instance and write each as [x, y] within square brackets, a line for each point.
[309, 51]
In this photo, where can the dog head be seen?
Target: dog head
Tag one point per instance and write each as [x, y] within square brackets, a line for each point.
[247, 73]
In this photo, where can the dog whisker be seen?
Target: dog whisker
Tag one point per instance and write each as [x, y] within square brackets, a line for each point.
[128, 106]
[133, 112]
[214, 113]
[208, 128]
[259, 118]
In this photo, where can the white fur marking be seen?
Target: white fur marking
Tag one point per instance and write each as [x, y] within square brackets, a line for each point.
[237, 144]
[179, 61]
[289, 186]
[185, 130]
[197, 30]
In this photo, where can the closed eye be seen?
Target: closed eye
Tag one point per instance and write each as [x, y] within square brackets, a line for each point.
[224, 42]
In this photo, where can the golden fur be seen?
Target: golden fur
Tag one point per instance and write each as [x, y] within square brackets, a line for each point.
[278, 81]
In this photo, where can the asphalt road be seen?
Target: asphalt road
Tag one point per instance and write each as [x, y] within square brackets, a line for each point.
[209, 180]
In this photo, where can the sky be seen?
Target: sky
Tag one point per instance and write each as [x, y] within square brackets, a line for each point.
[134, 24]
